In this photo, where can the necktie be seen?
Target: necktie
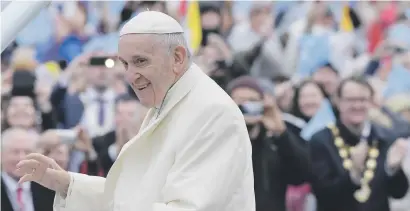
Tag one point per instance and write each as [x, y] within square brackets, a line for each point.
[20, 201]
[101, 113]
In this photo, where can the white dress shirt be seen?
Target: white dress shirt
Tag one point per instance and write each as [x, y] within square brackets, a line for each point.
[90, 122]
[11, 189]
[113, 152]
[91, 111]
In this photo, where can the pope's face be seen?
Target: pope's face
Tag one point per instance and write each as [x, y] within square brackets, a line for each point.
[148, 67]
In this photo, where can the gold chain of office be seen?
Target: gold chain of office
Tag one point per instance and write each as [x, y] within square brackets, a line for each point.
[363, 194]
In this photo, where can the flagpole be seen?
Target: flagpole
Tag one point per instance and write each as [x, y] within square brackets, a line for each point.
[16, 16]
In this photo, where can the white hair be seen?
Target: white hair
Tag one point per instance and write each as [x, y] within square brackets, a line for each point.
[10, 134]
[172, 40]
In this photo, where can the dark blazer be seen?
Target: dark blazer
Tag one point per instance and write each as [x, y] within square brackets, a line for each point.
[42, 198]
[331, 183]
[99, 167]
[102, 165]
[68, 108]
[277, 162]
[101, 143]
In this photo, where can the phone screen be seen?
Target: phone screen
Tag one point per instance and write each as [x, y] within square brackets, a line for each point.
[102, 61]
[98, 61]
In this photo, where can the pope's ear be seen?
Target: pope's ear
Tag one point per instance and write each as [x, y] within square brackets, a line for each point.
[180, 58]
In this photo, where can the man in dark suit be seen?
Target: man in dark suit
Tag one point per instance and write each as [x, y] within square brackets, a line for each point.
[16, 144]
[129, 114]
[356, 165]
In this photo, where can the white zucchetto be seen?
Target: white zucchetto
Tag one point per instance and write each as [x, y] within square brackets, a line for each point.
[151, 22]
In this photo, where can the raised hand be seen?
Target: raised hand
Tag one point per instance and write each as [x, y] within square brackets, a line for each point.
[272, 117]
[397, 152]
[44, 171]
[84, 142]
[43, 93]
[358, 155]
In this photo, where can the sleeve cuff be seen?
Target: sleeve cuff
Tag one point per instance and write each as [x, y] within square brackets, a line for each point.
[61, 200]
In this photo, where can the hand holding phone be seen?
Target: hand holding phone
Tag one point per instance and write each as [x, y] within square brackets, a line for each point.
[251, 108]
[102, 61]
[272, 117]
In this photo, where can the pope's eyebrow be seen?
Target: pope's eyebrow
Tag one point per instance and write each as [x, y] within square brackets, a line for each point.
[122, 60]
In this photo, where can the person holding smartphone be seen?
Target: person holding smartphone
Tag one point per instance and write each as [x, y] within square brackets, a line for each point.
[279, 159]
[129, 114]
[84, 96]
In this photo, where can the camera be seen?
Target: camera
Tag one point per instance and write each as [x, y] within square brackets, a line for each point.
[251, 108]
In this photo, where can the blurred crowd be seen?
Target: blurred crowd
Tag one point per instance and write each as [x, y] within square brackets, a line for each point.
[304, 73]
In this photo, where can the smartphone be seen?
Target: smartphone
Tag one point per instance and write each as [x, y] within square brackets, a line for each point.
[102, 61]
[97, 61]
[67, 136]
[251, 108]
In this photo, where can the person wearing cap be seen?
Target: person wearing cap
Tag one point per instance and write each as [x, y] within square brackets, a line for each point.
[279, 157]
[192, 153]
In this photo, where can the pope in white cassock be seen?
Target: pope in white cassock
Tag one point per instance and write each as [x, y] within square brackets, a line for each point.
[192, 152]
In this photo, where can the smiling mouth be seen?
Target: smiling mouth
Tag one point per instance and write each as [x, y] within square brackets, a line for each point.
[143, 87]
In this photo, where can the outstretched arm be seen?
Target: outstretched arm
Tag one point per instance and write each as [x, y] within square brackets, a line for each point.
[73, 191]
[84, 193]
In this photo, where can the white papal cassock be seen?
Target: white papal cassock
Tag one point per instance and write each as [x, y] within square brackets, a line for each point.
[196, 155]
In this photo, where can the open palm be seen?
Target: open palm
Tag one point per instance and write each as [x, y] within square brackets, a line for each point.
[44, 171]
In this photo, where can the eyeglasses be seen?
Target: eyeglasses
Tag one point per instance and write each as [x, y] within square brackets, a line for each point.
[356, 99]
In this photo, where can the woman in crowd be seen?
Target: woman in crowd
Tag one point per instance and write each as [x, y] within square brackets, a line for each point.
[20, 111]
[307, 100]
[279, 158]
